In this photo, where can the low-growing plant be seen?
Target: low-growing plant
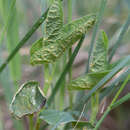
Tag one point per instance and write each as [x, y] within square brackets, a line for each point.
[31, 101]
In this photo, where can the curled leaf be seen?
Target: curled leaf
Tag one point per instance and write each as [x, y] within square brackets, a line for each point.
[68, 35]
[87, 81]
[27, 100]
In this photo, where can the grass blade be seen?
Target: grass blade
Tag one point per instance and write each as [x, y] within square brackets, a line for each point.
[111, 88]
[95, 30]
[58, 83]
[114, 71]
[121, 101]
[23, 41]
[118, 42]
[8, 20]
[113, 101]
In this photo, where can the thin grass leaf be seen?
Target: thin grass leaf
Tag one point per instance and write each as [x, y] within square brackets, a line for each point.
[62, 76]
[113, 101]
[23, 41]
[12, 37]
[114, 71]
[95, 30]
[121, 101]
[118, 42]
[114, 85]
[7, 23]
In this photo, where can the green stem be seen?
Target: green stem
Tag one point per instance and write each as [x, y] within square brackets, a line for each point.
[30, 122]
[70, 51]
[62, 76]
[24, 40]
[46, 79]
[37, 124]
[112, 103]
[94, 106]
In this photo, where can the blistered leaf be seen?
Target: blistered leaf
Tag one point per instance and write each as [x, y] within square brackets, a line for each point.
[87, 81]
[55, 118]
[27, 100]
[54, 21]
[68, 35]
[99, 56]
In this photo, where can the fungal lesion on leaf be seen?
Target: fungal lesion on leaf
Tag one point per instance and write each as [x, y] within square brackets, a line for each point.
[61, 36]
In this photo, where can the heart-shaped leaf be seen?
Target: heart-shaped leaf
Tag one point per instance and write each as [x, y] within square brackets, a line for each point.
[27, 100]
[68, 35]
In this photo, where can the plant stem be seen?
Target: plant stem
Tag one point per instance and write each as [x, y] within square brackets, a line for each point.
[24, 40]
[62, 76]
[46, 79]
[70, 51]
[37, 124]
[30, 122]
[94, 106]
[113, 101]
[95, 30]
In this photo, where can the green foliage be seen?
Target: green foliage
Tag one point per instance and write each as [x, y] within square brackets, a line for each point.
[58, 39]
[12, 38]
[27, 100]
[88, 81]
[56, 118]
[99, 56]
[98, 66]
[78, 125]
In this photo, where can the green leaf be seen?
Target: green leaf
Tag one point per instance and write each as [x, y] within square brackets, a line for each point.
[27, 100]
[99, 56]
[55, 118]
[68, 35]
[78, 125]
[54, 21]
[87, 81]
[103, 81]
